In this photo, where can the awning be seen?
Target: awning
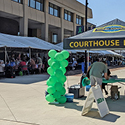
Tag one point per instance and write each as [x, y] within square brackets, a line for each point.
[110, 36]
[103, 52]
[72, 51]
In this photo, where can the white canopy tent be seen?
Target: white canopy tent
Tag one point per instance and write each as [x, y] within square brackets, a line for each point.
[20, 42]
[26, 42]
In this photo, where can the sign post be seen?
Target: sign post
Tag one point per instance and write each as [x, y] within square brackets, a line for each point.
[96, 93]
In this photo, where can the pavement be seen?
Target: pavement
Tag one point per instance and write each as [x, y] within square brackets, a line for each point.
[22, 102]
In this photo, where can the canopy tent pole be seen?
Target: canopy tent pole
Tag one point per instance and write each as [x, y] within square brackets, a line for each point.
[86, 30]
[30, 53]
[5, 55]
[88, 59]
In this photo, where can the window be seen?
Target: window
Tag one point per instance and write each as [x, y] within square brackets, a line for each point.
[36, 4]
[51, 9]
[55, 37]
[68, 16]
[18, 1]
[54, 10]
[32, 3]
[79, 20]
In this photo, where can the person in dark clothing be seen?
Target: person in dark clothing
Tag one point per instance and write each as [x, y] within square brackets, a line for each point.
[104, 84]
[44, 63]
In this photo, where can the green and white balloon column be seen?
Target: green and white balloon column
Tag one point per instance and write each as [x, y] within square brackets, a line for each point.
[57, 63]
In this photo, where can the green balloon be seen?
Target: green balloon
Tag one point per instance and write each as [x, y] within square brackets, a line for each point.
[50, 61]
[64, 63]
[50, 71]
[59, 57]
[51, 90]
[63, 91]
[50, 98]
[65, 54]
[63, 70]
[52, 80]
[48, 82]
[62, 99]
[57, 95]
[62, 79]
[58, 86]
[52, 53]
[58, 73]
[55, 65]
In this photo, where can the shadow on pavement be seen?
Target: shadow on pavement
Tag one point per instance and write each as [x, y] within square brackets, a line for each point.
[29, 79]
[116, 105]
[82, 98]
[71, 105]
[95, 114]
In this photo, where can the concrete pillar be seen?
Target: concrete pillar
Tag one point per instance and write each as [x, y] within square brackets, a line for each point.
[74, 24]
[62, 24]
[44, 27]
[60, 39]
[84, 23]
[43, 31]
[23, 24]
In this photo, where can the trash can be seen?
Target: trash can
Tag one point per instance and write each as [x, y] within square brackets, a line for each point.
[70, 97]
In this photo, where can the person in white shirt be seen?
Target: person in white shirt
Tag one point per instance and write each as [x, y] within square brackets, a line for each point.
[2, 65]
[74, 64]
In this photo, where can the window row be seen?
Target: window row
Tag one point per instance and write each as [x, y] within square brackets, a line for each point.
[36, 4]
[79, 20]
[68, 16]
[18, 1]
[54, 10]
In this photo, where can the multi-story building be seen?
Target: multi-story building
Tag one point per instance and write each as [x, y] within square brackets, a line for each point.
[50, 20]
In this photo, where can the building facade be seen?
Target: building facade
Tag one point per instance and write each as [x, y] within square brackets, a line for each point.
[50, 20]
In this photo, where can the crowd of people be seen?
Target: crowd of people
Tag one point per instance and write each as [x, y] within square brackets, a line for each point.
[75, 60]
[21, 64]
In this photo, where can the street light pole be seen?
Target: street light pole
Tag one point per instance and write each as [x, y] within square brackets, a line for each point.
[86, 30]
[86, 15]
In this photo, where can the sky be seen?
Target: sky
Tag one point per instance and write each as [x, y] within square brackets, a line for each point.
[105, 10]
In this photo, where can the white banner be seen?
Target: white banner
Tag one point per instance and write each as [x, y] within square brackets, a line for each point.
[95, 93]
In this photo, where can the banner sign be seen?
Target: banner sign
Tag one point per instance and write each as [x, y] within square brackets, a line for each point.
[79, 29]
[104, 43]
[96, 93]
[110, 29]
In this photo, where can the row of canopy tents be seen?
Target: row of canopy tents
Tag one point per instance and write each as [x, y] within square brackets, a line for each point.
[11, 41]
